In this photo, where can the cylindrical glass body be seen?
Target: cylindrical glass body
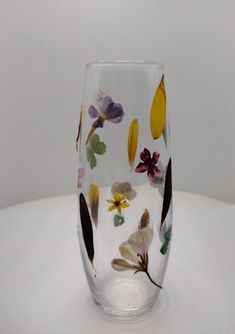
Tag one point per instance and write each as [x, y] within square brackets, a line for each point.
[124, 185]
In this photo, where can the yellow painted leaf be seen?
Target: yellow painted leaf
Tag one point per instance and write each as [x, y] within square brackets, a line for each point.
[158, 111]
[133, 140]
[94, 202]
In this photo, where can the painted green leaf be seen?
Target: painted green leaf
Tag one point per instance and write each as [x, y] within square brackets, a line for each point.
[167, 238]
[95, 146]
[167, 235]
[100, 148]
[164, 247]
[94, 141]
[88, 153]
[90, 157]
[118, 220]
[93, 161]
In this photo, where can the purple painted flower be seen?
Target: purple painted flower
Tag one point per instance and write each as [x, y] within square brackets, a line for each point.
[107, 110]
[149, 164]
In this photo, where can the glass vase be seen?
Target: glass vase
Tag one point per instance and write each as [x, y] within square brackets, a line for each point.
[124, 185]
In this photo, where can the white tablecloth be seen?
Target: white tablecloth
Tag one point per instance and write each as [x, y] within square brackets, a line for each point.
[43, 287]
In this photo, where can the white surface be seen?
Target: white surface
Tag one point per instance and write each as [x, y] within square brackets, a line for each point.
[44, 46]
[43, 288]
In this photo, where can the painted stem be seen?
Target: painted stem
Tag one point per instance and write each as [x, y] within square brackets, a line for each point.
[147, 273]
[92, 131]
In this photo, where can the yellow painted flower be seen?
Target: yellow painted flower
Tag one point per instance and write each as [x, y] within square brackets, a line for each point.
[118, 202]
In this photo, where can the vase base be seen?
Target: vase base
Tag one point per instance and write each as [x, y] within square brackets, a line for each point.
[127, 299]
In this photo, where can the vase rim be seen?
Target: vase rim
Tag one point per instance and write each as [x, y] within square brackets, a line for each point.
[125, 63]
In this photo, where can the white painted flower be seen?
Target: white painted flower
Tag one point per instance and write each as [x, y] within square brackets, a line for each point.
[135, 250]
[124, 188]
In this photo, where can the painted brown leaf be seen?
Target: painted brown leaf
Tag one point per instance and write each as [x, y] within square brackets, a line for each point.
[86, 227]
[167, 194]
[79, 127]
[144, 221]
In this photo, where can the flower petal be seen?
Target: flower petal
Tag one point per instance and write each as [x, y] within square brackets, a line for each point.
[116, 197]
[110, 201]
[112, 207]
[114, 113]
[124, 205]
[145, 155]
[157, 170]
[99, 123]
[125, 186]
[132, 142]
[128, 252]
[93, 112]
[151, 174]
[99, 95]
[104, 103]
[142, 167]
[162, 169]
[117, 119]
[155, 157]
[122, 265]
[141, 240]
[121, 197]
[131, 194]
[115, 187]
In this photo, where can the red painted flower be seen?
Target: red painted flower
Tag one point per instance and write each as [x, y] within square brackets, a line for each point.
[149, 164]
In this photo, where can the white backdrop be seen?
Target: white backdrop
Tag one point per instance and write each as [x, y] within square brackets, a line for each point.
[43, 48]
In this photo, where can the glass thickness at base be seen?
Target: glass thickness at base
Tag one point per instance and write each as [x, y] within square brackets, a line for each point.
[126, 298]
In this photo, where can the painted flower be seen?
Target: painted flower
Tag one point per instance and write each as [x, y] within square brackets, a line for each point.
[124, 188]
[166, 240]
[107, 110]
[134, 253]
[149, 164]
[118, 203]
[80, 177]
[158, 181]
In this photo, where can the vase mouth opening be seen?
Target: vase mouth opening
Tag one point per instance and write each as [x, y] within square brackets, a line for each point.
[125, 63]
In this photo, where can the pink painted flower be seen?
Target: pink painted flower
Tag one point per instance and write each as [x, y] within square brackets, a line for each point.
[149, 164]
[80, 177]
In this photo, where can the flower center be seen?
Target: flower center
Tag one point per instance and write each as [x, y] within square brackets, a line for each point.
[102, 115]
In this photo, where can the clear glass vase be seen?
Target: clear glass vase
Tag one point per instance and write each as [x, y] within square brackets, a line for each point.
[124, 185]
